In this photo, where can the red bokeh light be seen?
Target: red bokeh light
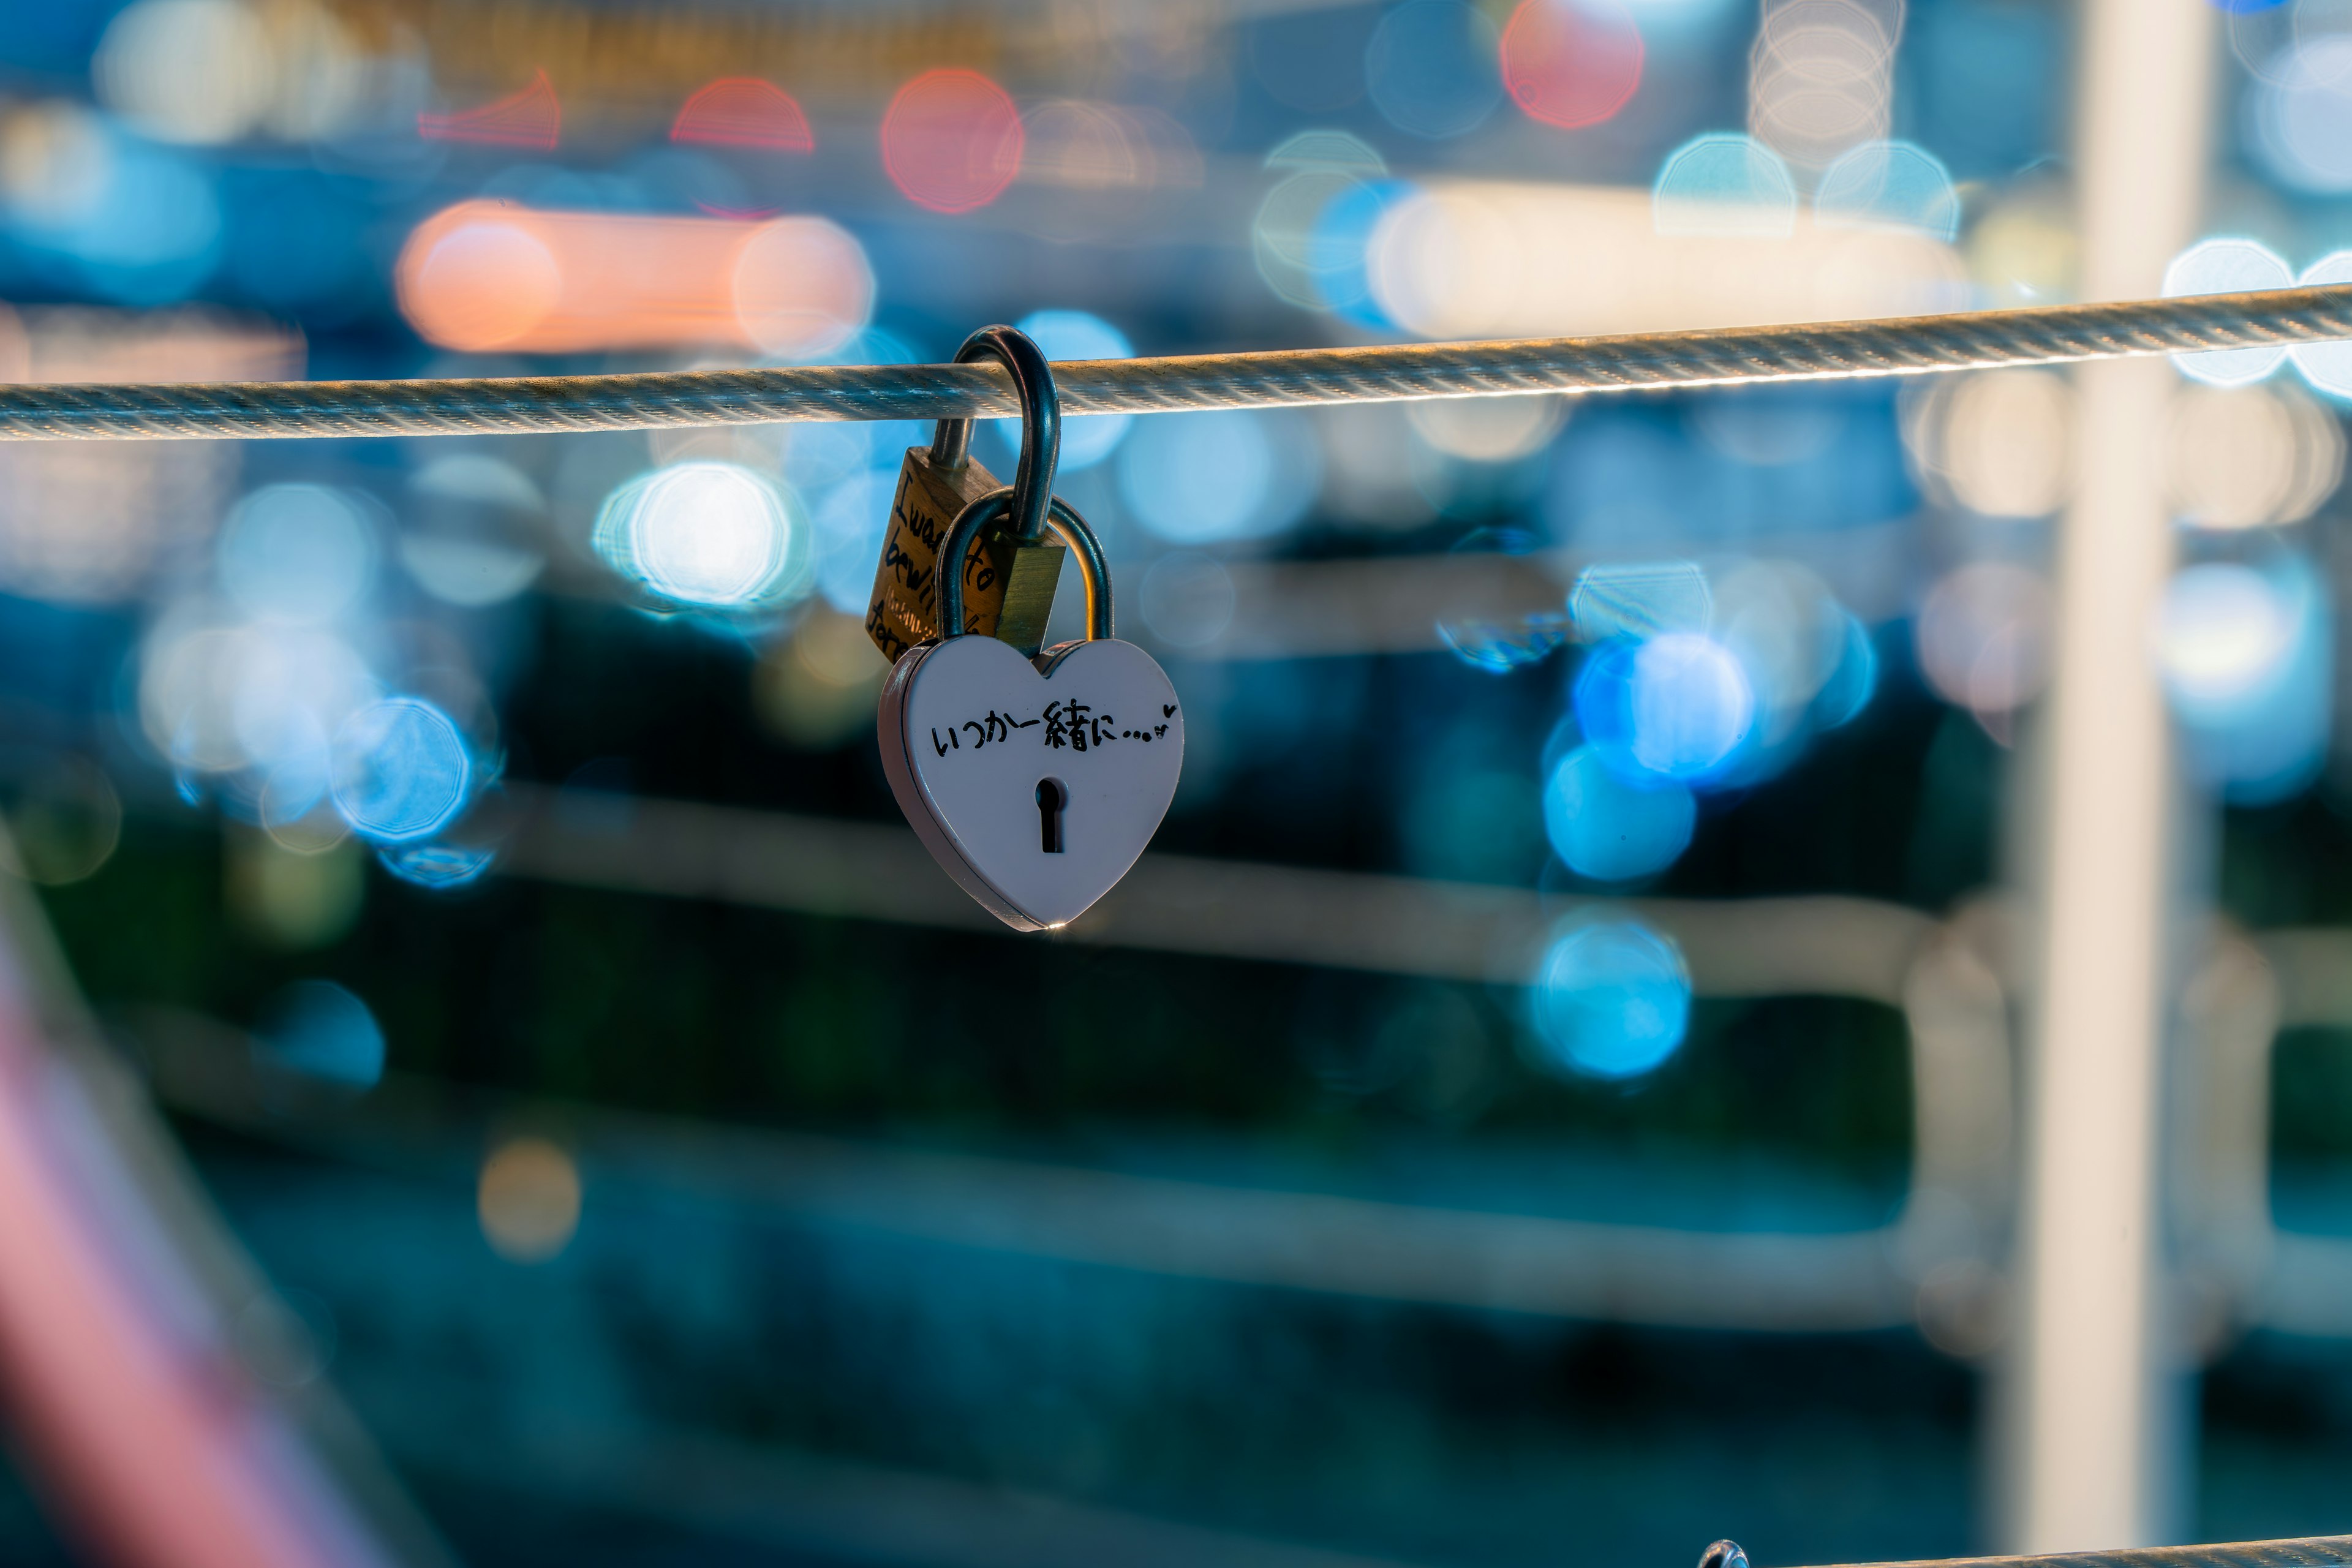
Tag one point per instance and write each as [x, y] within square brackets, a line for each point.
[531, 118]
[951, 141]
[1571, 63]
[744, 112]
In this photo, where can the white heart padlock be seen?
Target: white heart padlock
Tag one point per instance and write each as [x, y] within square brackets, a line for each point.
[1035, 785]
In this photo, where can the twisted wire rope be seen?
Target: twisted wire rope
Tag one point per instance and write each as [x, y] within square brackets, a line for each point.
[1900, 346]
[2302, 1552]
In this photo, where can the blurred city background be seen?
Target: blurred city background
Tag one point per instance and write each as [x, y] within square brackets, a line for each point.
[1590, 1063]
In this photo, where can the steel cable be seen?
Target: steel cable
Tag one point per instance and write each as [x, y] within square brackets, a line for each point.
[1901, 346]
[2300, 1551]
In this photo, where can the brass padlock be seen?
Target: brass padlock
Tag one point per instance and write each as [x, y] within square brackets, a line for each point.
[1011, 573]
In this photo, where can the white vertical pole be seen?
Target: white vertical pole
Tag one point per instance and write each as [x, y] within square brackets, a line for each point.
[2092, 1429]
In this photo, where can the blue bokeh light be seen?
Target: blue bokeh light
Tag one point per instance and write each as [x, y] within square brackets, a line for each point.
[2299, 115]
[849, 524]
[2246, 655]
[1340, 247]
[438, 866]
[1431, 68]
[1611, 1000]
[1848, 691]
[1724, 182]
[1889, 185]
[1678, 706]
[1692, 705]
[401, 771]
[1639, 599]
[1614, 826]
[1201, 478]
[299, 554]
[1500, 644]
[321, 1031]
[1087, 438]
[134, 222]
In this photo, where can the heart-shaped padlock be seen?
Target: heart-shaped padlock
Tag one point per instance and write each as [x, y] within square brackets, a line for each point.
[1035, 784]
[1036, 781]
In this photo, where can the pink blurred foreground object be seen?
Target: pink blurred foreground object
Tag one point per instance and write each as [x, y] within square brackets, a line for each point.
[116, 1360]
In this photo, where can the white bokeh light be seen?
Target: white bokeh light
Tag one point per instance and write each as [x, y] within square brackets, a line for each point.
[706, 533]
[2227, 267]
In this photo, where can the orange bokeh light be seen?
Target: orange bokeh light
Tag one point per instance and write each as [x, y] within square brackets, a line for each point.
[1571, 63]
[485, 276]
[951, 141]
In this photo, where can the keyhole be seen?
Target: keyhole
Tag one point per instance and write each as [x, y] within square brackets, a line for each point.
[1051, 798]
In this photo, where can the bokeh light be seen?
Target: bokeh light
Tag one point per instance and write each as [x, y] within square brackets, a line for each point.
[2299, 115]
[1821, 76]
[530, 118]
[401, 771]
[2327, 366]
[1611, 1000]
[2001, 441]
[2246, 652]
[706, 533]
[318, 1030]
[440, 866]
[1229, 474]
[1847, 693]
[1767, 428]
[1188, 599]
[1983, 637]
[2251, 456]
[218, 699]
[1692, 704]
[527, 1199]
[301, 554]
[1724, 184]
[134, 222]
[800, 287]
[1339, 247]
[848, 525]
[1087, 438]
[473, 514]
[1489, 429]
[1677, 705]
[951, 141]
[1571, 63]
[2227, 267]
[1303, 257]
[743, 112]
[485, 275]
[196, 72]
[1613, 825]
[1430, 67]
[1889, 185]
[1312, 59]
[2225, 633]
[1640, 599]
[1791, 637]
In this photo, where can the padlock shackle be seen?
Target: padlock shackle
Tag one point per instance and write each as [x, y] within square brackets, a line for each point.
[1101, 623]
[1041, 425]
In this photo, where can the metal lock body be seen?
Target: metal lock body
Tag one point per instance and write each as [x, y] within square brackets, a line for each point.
[1010, 575]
